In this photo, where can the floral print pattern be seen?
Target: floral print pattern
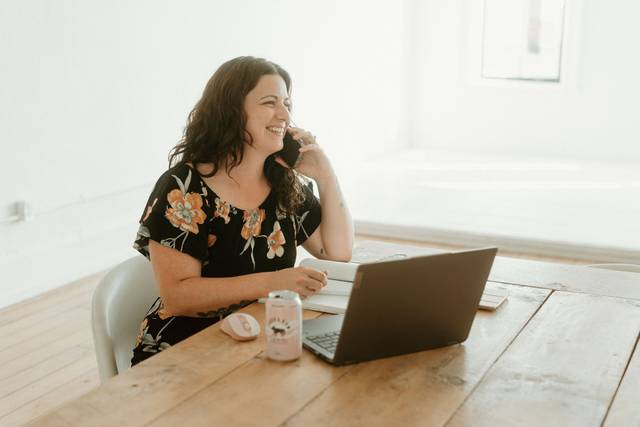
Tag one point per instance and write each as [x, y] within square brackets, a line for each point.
[275, 241]
[148, 342]
[252, 223]
[149, 209]
[183, 213]
[223, 209]
[162, 312]
[251, 229]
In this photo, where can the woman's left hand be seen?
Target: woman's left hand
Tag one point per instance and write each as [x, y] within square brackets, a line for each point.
[313, 162]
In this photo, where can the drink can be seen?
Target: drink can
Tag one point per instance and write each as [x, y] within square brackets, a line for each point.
[284, 325]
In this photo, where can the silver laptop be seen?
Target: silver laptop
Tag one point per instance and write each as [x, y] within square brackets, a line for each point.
[403, 306]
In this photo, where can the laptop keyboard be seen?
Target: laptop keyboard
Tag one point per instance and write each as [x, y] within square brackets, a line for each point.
[327, 341]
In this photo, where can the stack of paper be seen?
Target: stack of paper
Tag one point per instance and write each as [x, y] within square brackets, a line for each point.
[334, 297]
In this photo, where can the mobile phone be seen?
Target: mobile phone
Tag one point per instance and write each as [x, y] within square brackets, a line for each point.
[289, 152]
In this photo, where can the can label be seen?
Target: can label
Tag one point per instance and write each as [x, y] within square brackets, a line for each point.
[283, 325]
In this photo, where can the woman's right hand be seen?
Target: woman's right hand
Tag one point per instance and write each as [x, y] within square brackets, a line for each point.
[305, 281]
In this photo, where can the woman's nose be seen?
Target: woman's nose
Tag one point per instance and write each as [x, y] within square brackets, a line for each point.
[283, 113]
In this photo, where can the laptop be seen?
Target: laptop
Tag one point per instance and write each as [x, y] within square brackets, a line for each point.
[403, 306]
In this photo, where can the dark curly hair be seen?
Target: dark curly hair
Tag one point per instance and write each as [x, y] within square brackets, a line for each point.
[215, 131]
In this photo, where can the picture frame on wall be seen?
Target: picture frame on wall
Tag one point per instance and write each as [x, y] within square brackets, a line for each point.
[523, 40]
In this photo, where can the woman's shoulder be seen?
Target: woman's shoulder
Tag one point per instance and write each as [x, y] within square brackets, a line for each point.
[180, 176]
[181, 170]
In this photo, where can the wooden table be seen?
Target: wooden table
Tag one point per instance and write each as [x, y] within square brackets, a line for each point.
[559, 352]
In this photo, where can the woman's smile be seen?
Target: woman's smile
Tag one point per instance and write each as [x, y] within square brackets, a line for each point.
[276, 130]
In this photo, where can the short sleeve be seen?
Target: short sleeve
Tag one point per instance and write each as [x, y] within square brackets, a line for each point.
[309, 215]
[175, 215]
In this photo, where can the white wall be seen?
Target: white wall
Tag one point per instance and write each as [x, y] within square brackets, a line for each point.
[592, 118]
[94, 94]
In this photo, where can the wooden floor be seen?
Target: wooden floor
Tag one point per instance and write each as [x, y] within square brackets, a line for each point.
[47, 355]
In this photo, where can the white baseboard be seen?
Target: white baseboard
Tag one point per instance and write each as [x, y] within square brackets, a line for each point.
[514, 244]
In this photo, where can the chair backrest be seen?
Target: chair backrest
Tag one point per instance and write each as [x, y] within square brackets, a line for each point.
[633, 268]
[120, 302]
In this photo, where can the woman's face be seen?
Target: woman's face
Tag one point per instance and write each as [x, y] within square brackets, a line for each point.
[267, 110]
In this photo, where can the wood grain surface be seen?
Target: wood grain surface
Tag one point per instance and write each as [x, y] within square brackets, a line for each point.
[625, 408]
[165, 380]
[562, 370]
[560, 352]
[423, 388]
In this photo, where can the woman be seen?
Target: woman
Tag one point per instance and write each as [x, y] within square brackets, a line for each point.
[222, 224]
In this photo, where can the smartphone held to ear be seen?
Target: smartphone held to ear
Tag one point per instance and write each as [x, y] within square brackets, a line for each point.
[289, 152]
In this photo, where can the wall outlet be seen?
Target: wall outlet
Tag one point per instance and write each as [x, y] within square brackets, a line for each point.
[24, 211]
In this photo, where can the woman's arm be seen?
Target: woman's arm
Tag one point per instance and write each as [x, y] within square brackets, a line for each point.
[185, 293]
[333, 239]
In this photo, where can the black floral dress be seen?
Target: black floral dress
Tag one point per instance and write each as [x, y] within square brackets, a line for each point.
[183, 213]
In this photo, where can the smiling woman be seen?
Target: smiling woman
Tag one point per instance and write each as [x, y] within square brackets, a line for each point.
[221, 226]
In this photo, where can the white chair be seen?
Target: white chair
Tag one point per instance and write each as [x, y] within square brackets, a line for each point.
[634, 268]
[119, 305]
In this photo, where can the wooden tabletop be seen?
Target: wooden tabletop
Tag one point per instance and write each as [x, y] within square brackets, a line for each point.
[559, 352]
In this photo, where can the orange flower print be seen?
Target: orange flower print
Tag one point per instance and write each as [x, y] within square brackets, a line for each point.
[275, 242]
[149, 209]
[222, 210]
[162, 311]
[252, 223]
[212, 240]
[185, 212]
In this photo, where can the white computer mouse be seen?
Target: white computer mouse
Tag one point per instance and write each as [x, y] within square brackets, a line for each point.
[240, 326]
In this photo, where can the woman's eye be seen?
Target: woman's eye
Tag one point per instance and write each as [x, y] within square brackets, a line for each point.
[287, 106]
